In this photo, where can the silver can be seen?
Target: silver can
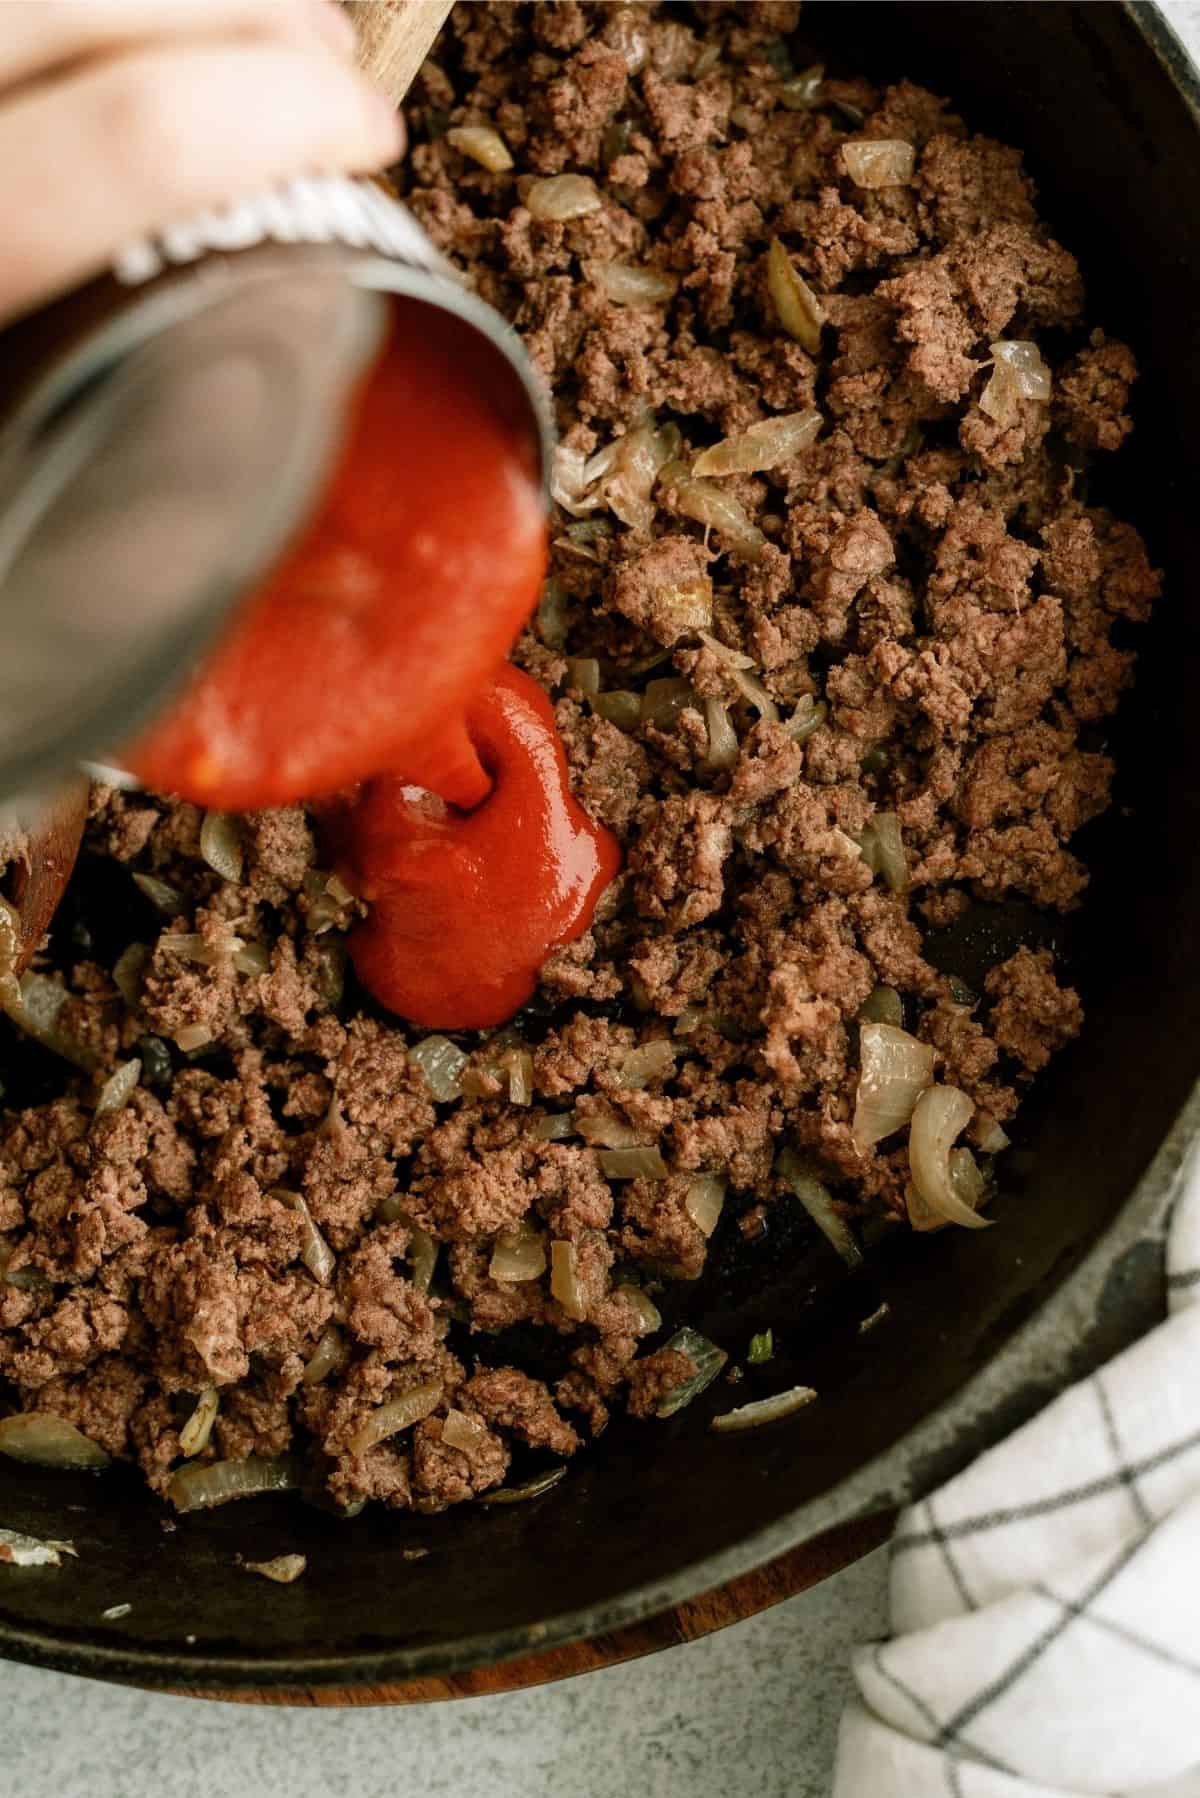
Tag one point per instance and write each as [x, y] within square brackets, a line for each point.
[166, 430]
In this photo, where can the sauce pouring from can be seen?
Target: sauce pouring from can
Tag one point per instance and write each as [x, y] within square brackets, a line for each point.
[375, 652]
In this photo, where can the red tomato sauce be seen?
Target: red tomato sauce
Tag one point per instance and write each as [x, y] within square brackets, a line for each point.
[463, 909]
[375, 653]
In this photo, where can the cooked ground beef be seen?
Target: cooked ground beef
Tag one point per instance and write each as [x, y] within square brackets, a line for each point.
[913, 616]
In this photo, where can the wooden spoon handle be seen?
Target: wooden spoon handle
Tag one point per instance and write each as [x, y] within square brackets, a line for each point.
[395, 37]
[36, 886]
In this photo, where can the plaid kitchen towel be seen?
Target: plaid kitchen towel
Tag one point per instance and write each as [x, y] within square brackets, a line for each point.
[1046, 1603]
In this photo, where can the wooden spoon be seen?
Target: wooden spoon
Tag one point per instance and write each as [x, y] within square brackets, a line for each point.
[395, 37]
[35, 885]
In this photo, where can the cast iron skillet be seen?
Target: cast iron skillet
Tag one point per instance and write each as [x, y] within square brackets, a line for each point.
[983, 1327]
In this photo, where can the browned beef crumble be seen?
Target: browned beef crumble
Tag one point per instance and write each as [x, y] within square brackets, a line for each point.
[932, 576]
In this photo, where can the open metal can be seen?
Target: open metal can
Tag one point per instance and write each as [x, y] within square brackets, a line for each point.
[166, 430]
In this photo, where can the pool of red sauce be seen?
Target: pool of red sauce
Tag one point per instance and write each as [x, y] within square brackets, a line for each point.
[368, 674]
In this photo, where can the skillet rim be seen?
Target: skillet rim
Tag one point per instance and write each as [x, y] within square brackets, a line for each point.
[1112, 1297]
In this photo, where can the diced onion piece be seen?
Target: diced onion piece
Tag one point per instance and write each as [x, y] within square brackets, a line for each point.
[604, 1131]
[422, 1257]
[880, 162]
[559, 198]
[808, 716]
[689, 1020]
[945, 1185]
[190, 1037]
[651, 1061]
[681, 607]
[518, 1254]
[761, 446]
[878, 1316]
[722, 751]
[161, 894]
[203, 1484]
[708, 1359]
[799, 311]
[19, 1550]
[764, 1410]
[221, 845]
[552, 615]
[283, 1569]
[328, 1357]
[625, 32]
[1018, 373]
[989, 1135]
[626, 285]
[396, 1414]
[315, 1252]
[753, 691]
[441, 1063]
[518, 1065]
[569, 483]
[253, 959]
[883, 850]
[966, 1177]
[817, 1201]
[883, 1006]
[564, 1280]
[196, 1431]
[896, 1070]
[119, 1086]
[44, 1440]
[802, 91]
[188, 945]
[704, 1201]
[327, 899]
[532, 1488]
[1024, 363]
[663, 700]
[648, 1314]
[1028, 373]
[632, 1164]
[583, 672]
[129, 971]
[637, 460]
[461, 1431]
[482, 145]
[621, 708]
[712, 507]
[34, 1003]
[732, 658]
[581, 538]
[25, 1279]
[555, 1126]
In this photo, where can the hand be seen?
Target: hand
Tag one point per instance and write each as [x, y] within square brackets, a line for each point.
[118, 116]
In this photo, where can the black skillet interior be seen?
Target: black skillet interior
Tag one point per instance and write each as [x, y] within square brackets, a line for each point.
[1116, 153]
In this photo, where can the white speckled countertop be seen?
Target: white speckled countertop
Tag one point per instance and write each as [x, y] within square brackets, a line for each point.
[752, 1710]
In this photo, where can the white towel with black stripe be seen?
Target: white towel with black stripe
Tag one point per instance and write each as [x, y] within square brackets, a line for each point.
[1046, 1603]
